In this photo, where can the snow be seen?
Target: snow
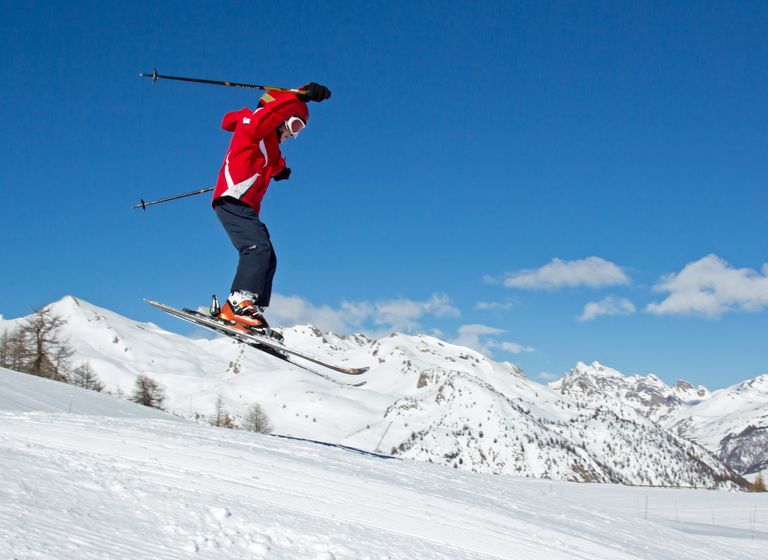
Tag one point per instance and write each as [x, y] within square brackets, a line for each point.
[727, 411]
[732, 423]
[27, 393]
[87, 476]
[429, 400]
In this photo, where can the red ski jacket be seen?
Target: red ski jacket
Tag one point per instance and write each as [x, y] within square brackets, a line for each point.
[254, 154]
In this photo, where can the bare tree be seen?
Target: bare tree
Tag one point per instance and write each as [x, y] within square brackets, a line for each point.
[148, 392]
[256, 420]
[47, 353]
[221, 417]
[84, 376]
[13, 351]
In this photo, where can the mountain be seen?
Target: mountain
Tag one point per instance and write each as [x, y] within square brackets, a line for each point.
[425, 400]
[646, 393]
[87, 476]
[732, 423]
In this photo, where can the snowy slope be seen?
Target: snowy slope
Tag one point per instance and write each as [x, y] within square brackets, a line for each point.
[92, 486]
[732, 423]
[425, 400]
[27, 393]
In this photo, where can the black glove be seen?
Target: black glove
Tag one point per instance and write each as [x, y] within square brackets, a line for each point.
[283, 175]
[315, 92]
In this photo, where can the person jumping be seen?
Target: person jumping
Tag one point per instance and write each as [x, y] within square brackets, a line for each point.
[252, 160]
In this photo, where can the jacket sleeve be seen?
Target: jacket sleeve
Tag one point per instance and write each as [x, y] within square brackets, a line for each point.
[279, 167]
[270, 115]
[246, 124]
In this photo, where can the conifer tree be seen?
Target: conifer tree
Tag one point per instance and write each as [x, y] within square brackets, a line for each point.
[148, 392]
[256, 420]
[84, 376]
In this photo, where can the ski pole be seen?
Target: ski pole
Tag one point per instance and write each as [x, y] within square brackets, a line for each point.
[143, 204]
[155, 76]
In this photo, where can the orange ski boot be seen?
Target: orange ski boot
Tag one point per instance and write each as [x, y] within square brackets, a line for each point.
[241, 309]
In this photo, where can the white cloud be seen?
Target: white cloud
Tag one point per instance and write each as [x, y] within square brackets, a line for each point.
[592, 272]
[372, 317]
[483, 339]
[515, 348]
[377, 319]
[505, 305]
[546, 377]
[404, 314]
[476, 337]
[710, 287]
[608, 306]
[295, 310]
[356, 313]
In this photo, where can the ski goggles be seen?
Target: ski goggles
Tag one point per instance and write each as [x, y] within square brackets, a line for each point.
[294, 125]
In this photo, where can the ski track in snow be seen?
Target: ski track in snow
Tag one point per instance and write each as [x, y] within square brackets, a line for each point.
[94, 487]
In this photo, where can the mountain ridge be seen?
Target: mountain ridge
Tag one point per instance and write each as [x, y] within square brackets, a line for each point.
[426, 399]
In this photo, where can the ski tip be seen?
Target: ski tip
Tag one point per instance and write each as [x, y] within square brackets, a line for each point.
[154, 303]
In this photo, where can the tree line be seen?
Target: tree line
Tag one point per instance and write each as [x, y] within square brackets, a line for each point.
[37, 346]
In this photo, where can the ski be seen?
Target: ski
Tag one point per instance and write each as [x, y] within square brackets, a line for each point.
[261, 342]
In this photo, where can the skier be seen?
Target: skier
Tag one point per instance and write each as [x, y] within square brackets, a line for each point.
[253, 159]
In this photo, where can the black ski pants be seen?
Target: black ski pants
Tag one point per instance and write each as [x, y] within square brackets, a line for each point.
[250, 237]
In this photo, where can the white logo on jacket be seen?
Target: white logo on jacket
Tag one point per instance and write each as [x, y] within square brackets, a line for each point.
[236, 190]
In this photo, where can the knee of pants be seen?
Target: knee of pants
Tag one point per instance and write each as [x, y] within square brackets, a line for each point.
[257, 248]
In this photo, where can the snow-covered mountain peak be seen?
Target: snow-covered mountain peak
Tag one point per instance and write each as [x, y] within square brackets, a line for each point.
[414, 352]
[594, 378]
[733, 421]
[647, 393]
[687, 393]
[757, 386]
[72, 308]
[597, 369]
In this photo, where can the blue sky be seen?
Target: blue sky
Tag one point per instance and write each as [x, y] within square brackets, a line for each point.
[548, 181]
